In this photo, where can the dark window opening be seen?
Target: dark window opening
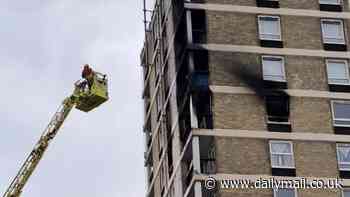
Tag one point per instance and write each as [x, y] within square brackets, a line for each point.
[198, 26]
[275, 84]
[201, 58]
[335, 47]
[271, 43]
[339, 88]
[178, 7]
[283, 172]
[185, 123]
[202, 104]
[182, 82]
[268, 3]
[200, 75]
[331, 8]
[277, 107]
[344, 174]
[180, 43]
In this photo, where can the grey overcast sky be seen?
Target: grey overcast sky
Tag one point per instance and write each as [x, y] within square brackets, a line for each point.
[43, 45]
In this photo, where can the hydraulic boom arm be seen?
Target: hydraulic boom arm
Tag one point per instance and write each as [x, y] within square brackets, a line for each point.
[37, 153]
[85, 99]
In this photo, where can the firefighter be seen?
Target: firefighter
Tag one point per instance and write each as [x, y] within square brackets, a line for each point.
[88, 74]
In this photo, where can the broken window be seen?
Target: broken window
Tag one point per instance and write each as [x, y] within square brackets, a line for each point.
[202, 104]
[277, 106]
[198, 26]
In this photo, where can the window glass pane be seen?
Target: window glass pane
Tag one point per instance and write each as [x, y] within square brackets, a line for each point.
[337, 71]
[343, 154]
[280, 147]
[341, 110]
[284, 193]
[345, 167]
[333, 2]
[273, 68]
[346, 193]
[269, 27]
[332, 31]
[282, 160]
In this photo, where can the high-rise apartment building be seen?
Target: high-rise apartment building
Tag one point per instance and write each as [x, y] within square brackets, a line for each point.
[246, 89]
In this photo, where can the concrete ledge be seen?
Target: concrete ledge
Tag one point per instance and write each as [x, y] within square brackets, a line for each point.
[261, 10]
[270, 51]
[296, 136]
[290, 92]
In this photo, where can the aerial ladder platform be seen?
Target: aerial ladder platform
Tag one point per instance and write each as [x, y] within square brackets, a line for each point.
[89, 93]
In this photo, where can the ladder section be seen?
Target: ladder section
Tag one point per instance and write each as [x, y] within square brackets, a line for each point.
[39, 149]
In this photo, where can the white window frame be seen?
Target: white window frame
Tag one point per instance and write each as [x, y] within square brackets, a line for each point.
[283, 67]
[340, 119]
[346, 70]
[295, 192]
[347, 189]
[279, 27]
[292, 153]
[339, 2]
[324, 39]
[347, 163]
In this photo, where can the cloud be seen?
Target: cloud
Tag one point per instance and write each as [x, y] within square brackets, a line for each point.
[44, 44]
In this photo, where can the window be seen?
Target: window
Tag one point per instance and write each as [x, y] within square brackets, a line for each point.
[281, 154]
[341, 113]
[269, 28]
[346, 192]
[330, 2]
[343, 155]
[284, 193]
[338, 71]
[273, 68]
[268, 3]
[333, 31]
[199, 26]
[277, 107]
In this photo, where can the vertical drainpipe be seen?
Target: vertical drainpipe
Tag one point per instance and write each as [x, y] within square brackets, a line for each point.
[194, 120]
